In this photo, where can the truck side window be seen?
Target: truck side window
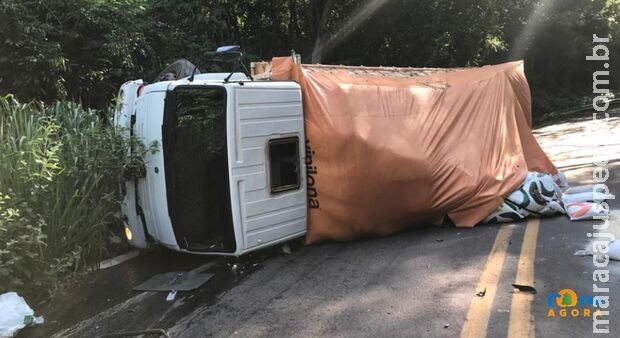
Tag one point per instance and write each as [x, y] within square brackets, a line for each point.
[284, 164]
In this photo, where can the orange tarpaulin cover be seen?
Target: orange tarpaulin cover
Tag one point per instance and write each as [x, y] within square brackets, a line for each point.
[390, 152]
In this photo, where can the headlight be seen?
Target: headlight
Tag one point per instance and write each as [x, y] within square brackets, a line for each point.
[128, 233]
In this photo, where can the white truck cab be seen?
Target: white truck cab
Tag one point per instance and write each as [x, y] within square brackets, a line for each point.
[227, 177]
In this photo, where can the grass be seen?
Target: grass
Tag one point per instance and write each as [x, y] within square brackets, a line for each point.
[60, 170]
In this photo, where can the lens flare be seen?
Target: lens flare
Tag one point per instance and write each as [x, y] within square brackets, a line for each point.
[532, 26]
[360, 14]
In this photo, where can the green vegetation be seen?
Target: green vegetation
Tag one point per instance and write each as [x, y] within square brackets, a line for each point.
[60, 168]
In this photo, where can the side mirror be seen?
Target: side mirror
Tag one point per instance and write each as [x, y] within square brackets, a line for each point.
[228, 53]
[233, 49]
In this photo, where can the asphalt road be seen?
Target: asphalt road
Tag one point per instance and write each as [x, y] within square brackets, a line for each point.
[421, 283]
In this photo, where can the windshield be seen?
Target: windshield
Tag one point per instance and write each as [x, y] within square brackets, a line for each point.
[197, 168]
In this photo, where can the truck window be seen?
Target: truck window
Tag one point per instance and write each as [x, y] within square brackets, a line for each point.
[284, 164]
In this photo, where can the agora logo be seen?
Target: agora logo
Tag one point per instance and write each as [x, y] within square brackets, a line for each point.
[566, 303]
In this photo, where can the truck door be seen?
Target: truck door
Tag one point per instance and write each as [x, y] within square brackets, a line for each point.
[266, 161]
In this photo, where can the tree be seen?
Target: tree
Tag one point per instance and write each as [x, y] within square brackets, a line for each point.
[84, 49]
[81, 50]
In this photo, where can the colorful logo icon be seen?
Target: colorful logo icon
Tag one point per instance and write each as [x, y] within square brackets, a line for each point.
[567, 303]
[567, 298]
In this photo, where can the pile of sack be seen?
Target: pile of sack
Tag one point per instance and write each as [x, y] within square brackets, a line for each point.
[544, 195]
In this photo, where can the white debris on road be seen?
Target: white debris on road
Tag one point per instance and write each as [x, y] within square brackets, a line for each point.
[15, 314]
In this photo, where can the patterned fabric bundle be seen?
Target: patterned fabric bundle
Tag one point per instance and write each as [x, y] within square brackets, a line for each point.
[538, 196]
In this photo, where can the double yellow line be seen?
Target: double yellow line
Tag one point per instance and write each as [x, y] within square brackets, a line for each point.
[521, 323]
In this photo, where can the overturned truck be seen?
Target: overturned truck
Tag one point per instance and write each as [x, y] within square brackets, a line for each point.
[329, 152]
